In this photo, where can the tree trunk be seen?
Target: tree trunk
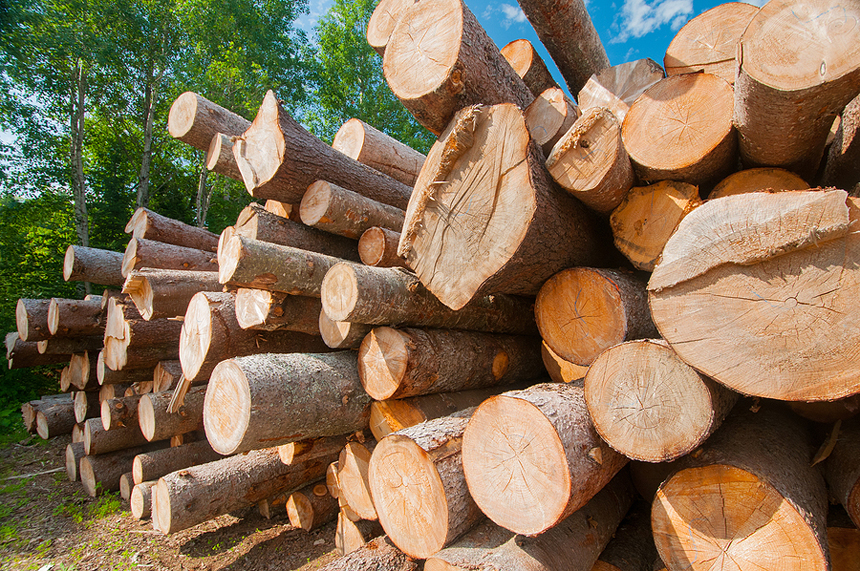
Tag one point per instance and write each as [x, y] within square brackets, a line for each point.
[311, 507]
[161, 293]
[79, 188]
[377, 247]
[75, 317]
[150, 99]
[166, 375]
[352, 535]
[336, 210]
[107, 376]
[149, 225]
[219, 157]
[204, 197]
[308, 449]
[362, 142]
[266, 400]
[617, 87]
[529, 66]
[583, 311]
[353, 486]
[93, 265]
[55, 419]
[390, 296]
[25, 354]
[86, 405]
[150, 466]
[385, 16]
[590, 162]
[120, 412]
[559, 369]
[279, 159]
[195, 120]
[570, 38]
[842, 165]
[158, 424]
[378, 554]
[842, 470]
[31, 317]
[101, 472]
[755, 180]
[549, 117]
[269, 311]
[745, 502]
[515, 226]
[786, 99]
[532, 457]
[399, 363]
[632, 545]
[342, 334]
[142, 253]
[97, 440]
[141, 500]
[74, 452]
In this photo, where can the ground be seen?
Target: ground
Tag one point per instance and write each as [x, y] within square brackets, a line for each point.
[48, 523]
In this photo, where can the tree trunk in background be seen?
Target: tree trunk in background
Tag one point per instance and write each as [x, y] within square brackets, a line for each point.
[150, 98]
[204, 195]
[79, 189]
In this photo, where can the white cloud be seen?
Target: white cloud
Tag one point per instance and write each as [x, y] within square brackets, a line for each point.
[512, 14]
[640, 18]
[318, 9]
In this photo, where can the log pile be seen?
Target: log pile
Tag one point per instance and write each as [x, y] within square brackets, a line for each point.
[489, 266]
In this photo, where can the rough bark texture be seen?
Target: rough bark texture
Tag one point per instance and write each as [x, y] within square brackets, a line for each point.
[165, 293]
[362, 142]
[106, 469]
[142, 253]
[353, 534]
[119, 412]
[24, 354]
[150, 225]
[219, 157]
[550, 116]
[842, 165]
[70, 345]
[632, 545]
[529, 66]
[337, 210]
[617, 87]
[166, 375]
[377, 247]
[97, 440]
[141, 500]
[377, 555]
[118, 355]
[311, 507]
[310, 448]
[31, 317]
[158, 424]
[29, 409]
[195, 120]
[107, 376]
[150, 466]
[82, 264]
[56, 419]
[342, 334]
[76, 317]
[268, 311]
[842, 469]
[755, 180]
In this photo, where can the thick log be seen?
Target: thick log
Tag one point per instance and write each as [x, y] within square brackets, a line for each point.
[311, 507]
[385, 16]
[532, 457]
[765, 248]
[29, 409]
[101, 472]
[120, 412]
[681, 129]
[352, 535]
[377, 247]
[786, 99]
[25, 354]
[107, 376]
[97, 440]
[158, 424]
[149, 225]
[150, 466]
[353, 486]
[257, 223]
[651, 406]
[195, 120]
[560, 370]
[752, 501]
[86, 405]
[843, 540]
[431, 507]
[219, 157]
[399, 363]
[194, 495]
[581, 312]
[505, 217]
[527, 64]
[342, 334]
[648, 215]
[755, 180]
[279, 159]
[549, 117]
[82, 264]
[141, 499]
[268, 311]
[568, 33]
[82, 371]
[589, 161]
[31, 317]
[74, 452]
[828, 411]
[266, 400]
[617, 87]
[118, 355]
[142, 253]
[159, 293]
[842, 469]
[378, 554]
[366, 144]
[55, 419]
[76, 317]
[439, 60]
[709, 42]
[391, 296]
[632, 545]
[166, 375]
[843, 157]
[310, 448]
[337, 210]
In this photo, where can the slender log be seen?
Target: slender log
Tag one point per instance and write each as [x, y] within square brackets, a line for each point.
[141, 499]
[398, 363]
[269, 311]
[841, 165]
[29, 409]
[753, 501]
[342, 334]
[352, 480]
[55, 419]
[842, 469]
[279, 159]
[366, 144]
[648, 215]
[377, 247]
[135, 332]
[219, 157]
[828, 411]
[195, 120]
[150, 466]
[125, 486]
[378, 554]
[617, 87]
[86, 405]
[107, 376]
[265, 400]
[75, 317]
[194, 495]
[158, 424]
[97, 440]
[78, 433]
[352, 535]
[532, 457]
[74, 452]
[755, 180]
[142, 253]
[310, 448]
[786, 99]
[69, 345]
[681, 129]
[590, 162]
[385, 16]
[390, 296]
[331, 480]
[159, 293]
[337, 210]
[120, 412]
[651, 406]
[25, 354]
[549, 117]
[101, 472]
[82, 264]
[149, 225]
[118, 355]
[166, 375]
[31, 317]
[527, 64]
[311, 507]
[632, 545]
[560, 370]
[82, 373]
[570, 38]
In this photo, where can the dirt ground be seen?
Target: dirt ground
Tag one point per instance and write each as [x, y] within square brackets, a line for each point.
[48, 523]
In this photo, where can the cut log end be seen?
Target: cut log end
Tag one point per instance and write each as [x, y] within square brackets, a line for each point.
[228, 407]
[339, 292]
[69, 263]
[382, 362]
[300, 511]
[180, 120]
[141, 500]
[138, 288]
[385, 16]
[196, 336]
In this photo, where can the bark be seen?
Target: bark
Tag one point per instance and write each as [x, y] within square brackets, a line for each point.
[55, 419]
[362, 142]
[101, 473]
[150, 466]
[352, 535]
[142, 253]
[107, 376]
[107, 392]
[841, 166]
[311, 507]
[76, 146]
[161, 293]
[385, 16]
[75, 317]
[550, 116]
[120, 412]
[25, 354]
[166, 375]
[150, 225]
[82, 264]
[158, 424]
[141, 500]
[118, 355]
[70, 345]
[219, 157]
[828, 411]
[29, 409]
[74, 452]
[842, 470]
[353, 486]
[377, 247]
[529, 66]
[150, 99]
[86, 405]
[269, 311]
[336, 210]
[308, 449]
[617, 87]
[560, 370]
[755, 180]
[342, 334]
[97, 440]
[204, 197]
[31, 317]
[632, 545]
[195, 120]
[378, 554]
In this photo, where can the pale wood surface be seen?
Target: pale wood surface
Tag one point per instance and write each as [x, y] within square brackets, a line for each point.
[311, 507]
[385, 16]
[74, 317]
[378, 247]
[194, 119]
[165, 293]
[31, 317]
[219, 157]
[268, 311]
[529, 66]
[755, 180]
[549, 117]
[617, 87]
[370, 146]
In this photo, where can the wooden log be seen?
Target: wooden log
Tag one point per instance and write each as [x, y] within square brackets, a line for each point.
[149, 225]
[527, 64]
[390, 296]
[311, 507]
[257, 223]
[828, 411]
[370, 146]
[107, 376]
[210, 334]
[279, 159]
[158, 424]
[843, 540]
[195, 120]
[337, 210]
[282, 209]
[69, 345]
[385, 16]
[25, 354]
[440, 60]
[55, 419]
[378, 554]
[82, 374]
[141, 499]
[188, 438]
[430, 508]
[352, 535]
[681, 129]
[649, 405]
[840, 167]
[101, 472]
[120, 412]
[118, 310]
[97, 440]
[559, 369]
[505, 220]
[82, 264]
[342, 334]
[755, 180]
[589, 161]
[125, 486]
[194, 495]
[78, 433]
[570, 38]
[136, 332]
[86, 405]
[632, 545]
[581, 312]
[273, 506]
[76, 317]
[842, 469]
[119, 355]
[142, 253]
[399, 363]
[31, 317]
[352, 479]
[269, 311]
[758, 236]
[266, 400]
[150, 466]
[166, 375]
[705, 513]
[709, 42]
[617, 87]
[310, 448]
[159, 293]
[786, 99]
[574, 544]
[219, 157]
[648, 215]
[549, 117]
[532, 457]
[331, 480]
[74, 453]
[377, 247]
